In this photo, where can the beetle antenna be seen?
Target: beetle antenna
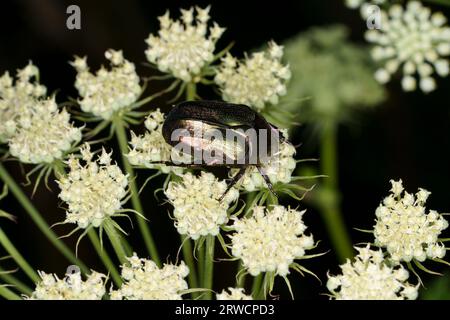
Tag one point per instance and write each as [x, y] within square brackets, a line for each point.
[233, 182]
[267, 180]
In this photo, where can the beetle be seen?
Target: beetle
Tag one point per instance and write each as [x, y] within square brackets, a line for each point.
[250, 139]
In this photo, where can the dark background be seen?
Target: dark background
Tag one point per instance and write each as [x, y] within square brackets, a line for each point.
[406, 137]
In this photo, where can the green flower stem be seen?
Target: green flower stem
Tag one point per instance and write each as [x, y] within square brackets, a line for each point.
[201, 265]
[191, 91]
[8, 278]
[189, 259]
[114, 238]
[8, 294]
[329, 204]
[256, 286]
[105, 257]
[121, 134]
[18, 258]
[38, 220]
[209, 266]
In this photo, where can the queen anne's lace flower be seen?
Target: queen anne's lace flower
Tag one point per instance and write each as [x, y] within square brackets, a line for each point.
[412, 39]
[18, 98]
[233, 294]
[255, 81]
[43, 134]
[183, 48]
[143, 280]
[197, 209]
[270, 240]
[369, 277]
[93, 191]
[72, 287]
[405, 230]
[107, 91]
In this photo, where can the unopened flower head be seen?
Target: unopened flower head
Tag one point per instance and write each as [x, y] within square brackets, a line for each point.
[18, 97]
[198, 210]
[256, 81]
[94, 190]
[270, 240]
[71, 287]
[43, 134]
[233, 294]
[143, 280]
[369, 277]
[405, 229]
[415, 40]
[107, 91]
[183, 47]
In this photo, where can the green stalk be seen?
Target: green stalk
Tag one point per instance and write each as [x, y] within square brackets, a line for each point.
[189, 259]
[191, 91]
[329, 204]
[209, 266]
[105, 257]
[256, 286]
[8, 294]
[8, 278]
[18, 258]
[114, 238]
[38, 220]
[136, 202]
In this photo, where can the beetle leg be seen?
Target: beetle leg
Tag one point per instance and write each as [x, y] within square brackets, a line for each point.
[267, 180]
[233, 182]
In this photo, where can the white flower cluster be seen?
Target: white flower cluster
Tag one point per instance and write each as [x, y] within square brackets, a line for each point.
[143, 280]
[197, 209]
[233, 294]
[415, 40]
[255, 81]
[93, 191]
[405, 229]
[354, 4]
[72, 287]
[270, 240]
[370, 278]
[107, 91]
[279, 169]
[43, 133]
[17, 98]
[183, 48]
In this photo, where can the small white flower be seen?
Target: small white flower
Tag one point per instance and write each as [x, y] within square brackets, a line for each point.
[197, 209]
[369, 277]
[18, 98]
[107, 91]
[414, 40]
[405, 229]
[233, 294]
[257, 80]
[71, 287]
[183, 48]
[143, 280]
[93, 191]
[354, 4]
[270, 240]
[43, 134]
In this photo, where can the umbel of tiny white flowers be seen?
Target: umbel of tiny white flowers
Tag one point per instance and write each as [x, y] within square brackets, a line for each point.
[414, 40]
[43, 134]
[198, 210]
[183, 47]
[257, 80]
[406, 230]
[371, 277]
[71, 287]
[18, 98]
[143, 280]
[107, 91]
[233, 294]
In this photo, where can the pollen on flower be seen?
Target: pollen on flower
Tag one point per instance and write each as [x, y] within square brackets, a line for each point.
[198, 210]
[233, 294]
[43, 134]
[270, 240]
[107, 91]
[256, 81]
[183, 47]
[18, 97]
[143, 280]
[370, 277]
[94, 190]
[71, 287]
[412, 39]
[405, 229]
